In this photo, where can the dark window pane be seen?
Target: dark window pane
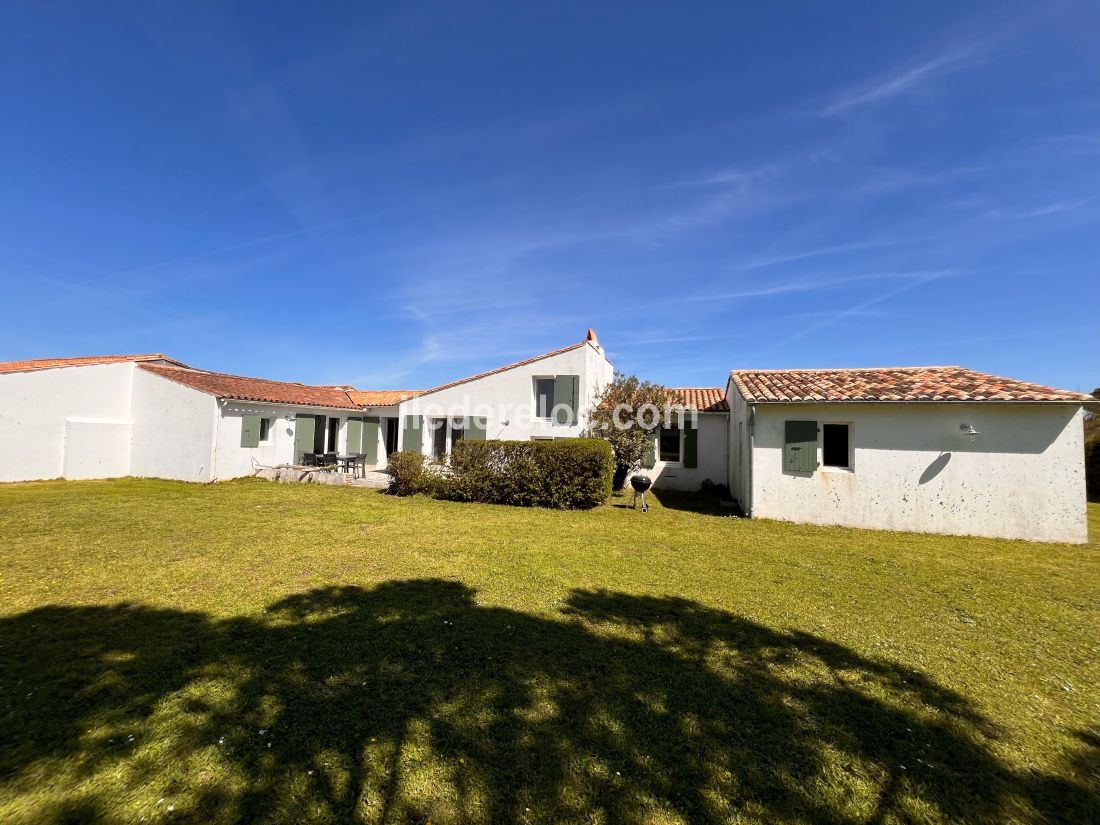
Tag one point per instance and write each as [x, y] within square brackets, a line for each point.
[670, 444]
[439, 438]
[544, 397]
[333, 431]
[265, 428]
[834, 445]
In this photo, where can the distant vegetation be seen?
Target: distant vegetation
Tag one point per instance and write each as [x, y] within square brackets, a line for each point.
[1092, 447]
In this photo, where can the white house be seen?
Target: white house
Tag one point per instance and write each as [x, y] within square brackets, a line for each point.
[928, 449]
[150, 415]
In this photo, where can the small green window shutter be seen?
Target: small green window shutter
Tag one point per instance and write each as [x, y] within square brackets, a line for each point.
[370, 439]
[691, 444]
[799, 446]
[565, 398]
[649, 460]
[474, 429]
[304, 428]
[411, 434]
[250, 431]
[355, 436]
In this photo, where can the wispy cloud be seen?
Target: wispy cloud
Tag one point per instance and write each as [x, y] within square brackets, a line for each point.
[903, 81]
[821, 251]
[860, 308]
[1046, 210]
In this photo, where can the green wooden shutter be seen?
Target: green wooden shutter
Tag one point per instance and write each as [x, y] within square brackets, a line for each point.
[649, 460]
[691, 443]
[799, 446]
[474, 429]
[305, 426]
[370, 439]
[565, 398]
[250, 431]
[412, 434]
[355, 436]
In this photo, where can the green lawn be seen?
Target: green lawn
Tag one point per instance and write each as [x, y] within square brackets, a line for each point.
[251, 651]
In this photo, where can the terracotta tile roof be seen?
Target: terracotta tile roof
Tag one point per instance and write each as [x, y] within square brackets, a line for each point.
[85, 361]
[703, 399]
[523, 363]
[381, 398]
[890, 384]
[255, 389]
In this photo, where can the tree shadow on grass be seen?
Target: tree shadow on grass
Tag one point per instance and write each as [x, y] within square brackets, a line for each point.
[706, 503]
[410, 702]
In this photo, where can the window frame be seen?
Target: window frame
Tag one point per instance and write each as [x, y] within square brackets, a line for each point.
[267, 423]
[437, 423]
[850, 467]
[535, 379]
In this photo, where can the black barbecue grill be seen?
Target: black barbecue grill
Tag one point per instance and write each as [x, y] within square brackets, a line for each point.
[640, 485]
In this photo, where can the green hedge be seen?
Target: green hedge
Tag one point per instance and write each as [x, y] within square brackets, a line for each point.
[572, 473]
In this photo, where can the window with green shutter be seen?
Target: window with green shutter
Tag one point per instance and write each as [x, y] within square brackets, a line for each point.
[474, 429]
[565, 399]
[411, 434]
[799, 446]
[250, 431]
[691, 443]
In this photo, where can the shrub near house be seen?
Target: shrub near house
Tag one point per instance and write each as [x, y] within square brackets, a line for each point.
[569, 474]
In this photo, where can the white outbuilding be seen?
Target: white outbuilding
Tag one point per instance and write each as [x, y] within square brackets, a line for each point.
[924, 449]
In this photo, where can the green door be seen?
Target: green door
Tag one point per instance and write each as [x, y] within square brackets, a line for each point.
[355, 436]
[305, 427]
[370, 439]
[411, 434]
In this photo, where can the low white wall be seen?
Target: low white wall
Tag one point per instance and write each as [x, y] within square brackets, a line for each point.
[1022, 477]
[173, 429]
[36, 406]
[712, 454]
[499, 398]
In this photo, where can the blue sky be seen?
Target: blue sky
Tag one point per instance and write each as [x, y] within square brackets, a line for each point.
[399, 195]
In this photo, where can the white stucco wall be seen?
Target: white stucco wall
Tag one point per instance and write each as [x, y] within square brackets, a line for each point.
[36, 407]
[713, 454]
[172, 431]
[1022, 477]
[501, 398]
[231, 460]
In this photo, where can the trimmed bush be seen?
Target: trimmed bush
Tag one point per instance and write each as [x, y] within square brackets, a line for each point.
[409, 474]
[571, 473]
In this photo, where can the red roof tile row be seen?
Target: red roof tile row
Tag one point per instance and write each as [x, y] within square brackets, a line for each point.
[84, 361]
[255, 389]
[381, 398]
[703, 399]
[890, 384]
